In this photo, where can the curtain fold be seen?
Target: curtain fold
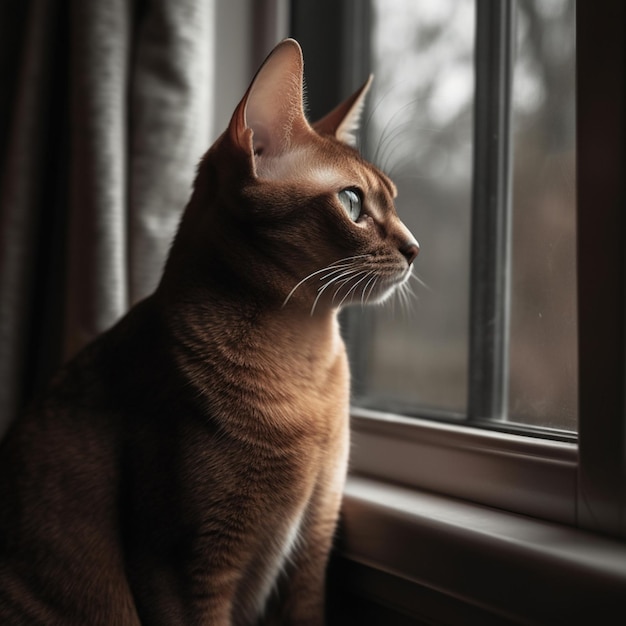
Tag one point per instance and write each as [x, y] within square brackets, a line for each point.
[97, 291]
[107, 110]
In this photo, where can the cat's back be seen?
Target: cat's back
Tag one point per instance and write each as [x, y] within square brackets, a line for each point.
[85, 399]
[60, 479]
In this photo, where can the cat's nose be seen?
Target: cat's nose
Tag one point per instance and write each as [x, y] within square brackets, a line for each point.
[410, 251]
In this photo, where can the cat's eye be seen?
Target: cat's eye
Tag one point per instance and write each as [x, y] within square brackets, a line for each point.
[352, 202]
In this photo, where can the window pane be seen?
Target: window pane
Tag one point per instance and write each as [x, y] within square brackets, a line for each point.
[419, 130]
[543, 291]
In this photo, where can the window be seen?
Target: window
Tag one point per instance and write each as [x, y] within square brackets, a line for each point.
[413, 358]
[517, 403]
[543, 331]
[508, 213]
[459, 92]
[500, 255]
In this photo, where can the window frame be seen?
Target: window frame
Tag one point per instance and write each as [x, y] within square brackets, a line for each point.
[574, 483]
[490, 248]
[601, 227]
[485, 466]
[570, 491]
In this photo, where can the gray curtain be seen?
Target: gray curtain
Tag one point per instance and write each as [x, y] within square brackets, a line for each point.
[104, 112]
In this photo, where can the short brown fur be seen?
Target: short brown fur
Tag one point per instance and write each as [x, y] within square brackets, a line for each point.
[187, 467]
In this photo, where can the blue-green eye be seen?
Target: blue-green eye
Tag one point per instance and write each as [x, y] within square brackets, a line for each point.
[351, 202]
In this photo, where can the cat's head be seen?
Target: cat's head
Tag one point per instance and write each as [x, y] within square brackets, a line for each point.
[289, 213]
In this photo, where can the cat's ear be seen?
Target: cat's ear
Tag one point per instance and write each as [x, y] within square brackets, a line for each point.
[343, 121]
[272, 108]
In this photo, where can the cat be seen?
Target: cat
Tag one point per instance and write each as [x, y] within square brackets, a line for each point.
[187, 467]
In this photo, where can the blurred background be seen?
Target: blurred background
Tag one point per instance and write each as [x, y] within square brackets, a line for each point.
[420, 130]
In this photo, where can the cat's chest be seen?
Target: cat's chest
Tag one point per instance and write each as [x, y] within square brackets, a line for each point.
[313, 406]
[282, 381]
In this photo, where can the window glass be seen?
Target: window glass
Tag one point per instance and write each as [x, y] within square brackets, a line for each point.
[419, 130]
[414, 359]
[542, 388]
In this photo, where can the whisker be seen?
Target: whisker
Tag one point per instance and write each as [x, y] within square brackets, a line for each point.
[408, 292]
[339, 268]
[419, 281]
[372, 279]
[405, 302]
[389, 124]
[356, 284]
[392, 143]
[349, 273]
[347, 262]
[397, 120]
[324, 269]
[349, 258]
[369, 295]
[342, 278]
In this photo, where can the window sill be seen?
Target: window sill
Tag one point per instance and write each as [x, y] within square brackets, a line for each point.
[507, 567]
[525, 475]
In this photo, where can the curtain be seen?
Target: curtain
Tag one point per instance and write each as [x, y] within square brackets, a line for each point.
[105, 110]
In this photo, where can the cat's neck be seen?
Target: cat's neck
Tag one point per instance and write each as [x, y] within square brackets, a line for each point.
[251, 331]
[279, 327]
[259, 359]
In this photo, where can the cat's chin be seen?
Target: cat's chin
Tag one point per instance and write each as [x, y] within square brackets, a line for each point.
[385, 290]
[381, 298]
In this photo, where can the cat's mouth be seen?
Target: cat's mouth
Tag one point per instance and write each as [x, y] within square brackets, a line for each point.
[390, 284]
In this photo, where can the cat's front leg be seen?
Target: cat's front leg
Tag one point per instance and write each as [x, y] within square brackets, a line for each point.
[184, 579]
[301, 597]
[174, 598]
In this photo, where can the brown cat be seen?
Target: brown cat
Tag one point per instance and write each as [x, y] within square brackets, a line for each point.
[187, 467]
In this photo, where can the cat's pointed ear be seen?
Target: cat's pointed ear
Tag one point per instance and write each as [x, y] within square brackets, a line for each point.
[343, 121]
[273, 105]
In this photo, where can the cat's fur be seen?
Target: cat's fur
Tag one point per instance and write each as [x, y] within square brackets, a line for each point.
[187, 467]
